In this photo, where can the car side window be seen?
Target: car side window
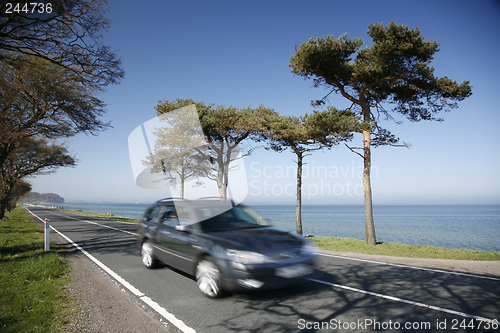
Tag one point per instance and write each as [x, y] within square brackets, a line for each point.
[151, 213]
[168, 216]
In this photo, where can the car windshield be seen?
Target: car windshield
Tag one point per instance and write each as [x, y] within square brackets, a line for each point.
[239, 217]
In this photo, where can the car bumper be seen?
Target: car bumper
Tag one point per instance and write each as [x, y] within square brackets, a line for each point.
[267, 276]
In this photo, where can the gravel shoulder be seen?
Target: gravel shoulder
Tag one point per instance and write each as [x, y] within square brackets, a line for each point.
[100, 304]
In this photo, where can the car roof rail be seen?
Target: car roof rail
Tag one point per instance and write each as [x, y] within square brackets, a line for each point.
[202, 198]
[219, 198]
[209, 198]
[170, 198]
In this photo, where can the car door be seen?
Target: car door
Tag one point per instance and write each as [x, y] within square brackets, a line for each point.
[148, 224]
[163, 233]
[180, 244]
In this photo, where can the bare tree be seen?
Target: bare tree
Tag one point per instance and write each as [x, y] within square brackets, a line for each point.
[67, 33]
[40, 99]
[180, 149]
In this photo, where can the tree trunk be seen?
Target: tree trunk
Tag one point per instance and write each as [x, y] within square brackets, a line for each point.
[369, 225]
[298, 214]
[4, 199]
[182, 188]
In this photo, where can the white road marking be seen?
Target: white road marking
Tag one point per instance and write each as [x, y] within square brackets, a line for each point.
[402, 300]
[155, 306]
[101, 225]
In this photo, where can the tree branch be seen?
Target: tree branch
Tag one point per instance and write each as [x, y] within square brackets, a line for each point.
[404, 144]
[355, 152]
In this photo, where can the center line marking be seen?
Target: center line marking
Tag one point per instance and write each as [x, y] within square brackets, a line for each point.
[412, 267]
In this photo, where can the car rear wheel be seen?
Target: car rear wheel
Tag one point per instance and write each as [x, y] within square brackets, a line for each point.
[147, 254]
[208, 278]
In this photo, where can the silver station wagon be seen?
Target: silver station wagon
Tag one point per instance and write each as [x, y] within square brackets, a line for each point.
[225, 246]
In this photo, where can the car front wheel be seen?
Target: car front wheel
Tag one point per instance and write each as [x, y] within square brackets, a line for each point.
[208, 278]
[147, 254]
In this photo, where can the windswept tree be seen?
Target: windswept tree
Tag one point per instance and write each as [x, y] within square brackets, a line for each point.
[308, 133]
[52, 65]
[394, 73]
[20, 189]
[224, 128]
[67, 33]
[40, 99]
[31, 156]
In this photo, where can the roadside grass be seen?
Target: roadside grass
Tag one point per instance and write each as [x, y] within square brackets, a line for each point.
[33, 297]
[400, 250]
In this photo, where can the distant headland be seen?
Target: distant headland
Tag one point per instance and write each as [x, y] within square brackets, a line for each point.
[36, 198]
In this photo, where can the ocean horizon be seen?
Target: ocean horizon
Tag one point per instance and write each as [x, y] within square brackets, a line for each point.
[471, 227]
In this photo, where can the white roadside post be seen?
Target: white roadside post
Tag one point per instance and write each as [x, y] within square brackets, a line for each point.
[47, 235]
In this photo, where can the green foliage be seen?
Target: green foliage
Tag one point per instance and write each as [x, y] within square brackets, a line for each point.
[221, 123]
[325, 59]
[317, 130]
[394, 69]
[33, 297]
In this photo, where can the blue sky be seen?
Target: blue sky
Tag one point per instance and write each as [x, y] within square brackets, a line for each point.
[237, 53]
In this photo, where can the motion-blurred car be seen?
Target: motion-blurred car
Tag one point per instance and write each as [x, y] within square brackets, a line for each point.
[225, 247]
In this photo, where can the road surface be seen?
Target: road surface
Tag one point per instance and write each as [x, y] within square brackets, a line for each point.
[350, 295]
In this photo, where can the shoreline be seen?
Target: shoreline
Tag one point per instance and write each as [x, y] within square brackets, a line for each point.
[426, 252]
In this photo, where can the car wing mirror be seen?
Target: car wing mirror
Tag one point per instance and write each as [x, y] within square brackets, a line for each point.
[183, 228]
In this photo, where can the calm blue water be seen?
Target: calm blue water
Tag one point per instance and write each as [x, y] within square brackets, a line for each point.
[475, 227]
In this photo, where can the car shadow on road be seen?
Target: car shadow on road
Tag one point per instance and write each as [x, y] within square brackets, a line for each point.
[328, 305]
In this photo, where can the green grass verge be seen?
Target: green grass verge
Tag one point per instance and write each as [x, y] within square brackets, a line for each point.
[33, 297]
[401, 250]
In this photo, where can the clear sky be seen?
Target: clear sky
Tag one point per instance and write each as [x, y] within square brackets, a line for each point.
[237, 53]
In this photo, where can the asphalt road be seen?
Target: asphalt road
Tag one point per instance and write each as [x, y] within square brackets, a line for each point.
[349, 295]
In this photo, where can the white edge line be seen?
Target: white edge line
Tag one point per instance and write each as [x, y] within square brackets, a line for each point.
[155, 306]
[410, 266]
[402, 300]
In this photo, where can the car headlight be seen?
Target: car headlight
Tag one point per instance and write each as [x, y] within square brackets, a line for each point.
[248, 257]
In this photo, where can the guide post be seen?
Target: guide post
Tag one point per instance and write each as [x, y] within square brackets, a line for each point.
[47, 235]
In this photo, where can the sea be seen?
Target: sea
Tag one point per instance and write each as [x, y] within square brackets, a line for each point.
[472, 227]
